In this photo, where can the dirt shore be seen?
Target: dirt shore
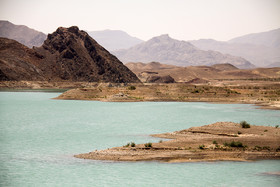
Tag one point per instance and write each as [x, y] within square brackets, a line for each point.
[264, 94]
[216, 142]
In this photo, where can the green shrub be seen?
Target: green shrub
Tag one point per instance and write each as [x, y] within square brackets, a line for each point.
[195, 91]
[244, 124]
[127, 145]
[239, 132]
[215, 142]
[201, 146]
[258, 148]
[234, 144]
[132, 144]
[131, 88]
[266, 148]
[276, 126]
[148, 144]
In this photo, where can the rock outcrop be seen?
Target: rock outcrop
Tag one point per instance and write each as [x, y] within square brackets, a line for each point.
[68, 54]
[160, 79]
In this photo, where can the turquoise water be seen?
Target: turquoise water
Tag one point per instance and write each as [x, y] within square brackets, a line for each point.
[39, 136]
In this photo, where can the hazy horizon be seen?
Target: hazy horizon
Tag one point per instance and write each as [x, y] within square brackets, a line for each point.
[182, 20]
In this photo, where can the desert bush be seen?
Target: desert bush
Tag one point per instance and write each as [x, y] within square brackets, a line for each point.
[234, 144]
[215, 142]
[131, 88]
[127, 145]
[201, 146]
[195, 91]
[266, 148]
[148, 144]
[258, 148]
[276, 126]
[239, 132]
[244, 124]
[132, 144]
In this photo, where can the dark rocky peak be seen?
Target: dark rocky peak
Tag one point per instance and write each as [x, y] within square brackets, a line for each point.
[71, 54]
[63, 38]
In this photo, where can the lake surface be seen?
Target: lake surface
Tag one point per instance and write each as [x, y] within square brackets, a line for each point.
[39, 136]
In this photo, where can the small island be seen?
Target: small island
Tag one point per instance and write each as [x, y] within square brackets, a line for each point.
[221, 141]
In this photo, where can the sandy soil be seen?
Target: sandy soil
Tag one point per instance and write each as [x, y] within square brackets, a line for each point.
[205, 143]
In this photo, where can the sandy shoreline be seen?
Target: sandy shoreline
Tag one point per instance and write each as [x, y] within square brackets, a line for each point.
[206, 143]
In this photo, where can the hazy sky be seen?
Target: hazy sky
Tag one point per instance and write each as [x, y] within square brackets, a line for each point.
[181, 19]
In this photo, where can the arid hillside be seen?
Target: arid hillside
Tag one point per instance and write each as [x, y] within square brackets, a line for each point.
[207, 73]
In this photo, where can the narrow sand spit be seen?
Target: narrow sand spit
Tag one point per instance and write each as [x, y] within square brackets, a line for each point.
[216, 142]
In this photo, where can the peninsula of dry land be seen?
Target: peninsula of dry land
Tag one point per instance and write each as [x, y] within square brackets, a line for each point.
[215, 142]
[260, 92]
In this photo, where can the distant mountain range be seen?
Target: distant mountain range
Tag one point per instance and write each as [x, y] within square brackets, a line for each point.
[67, 54]
[260, 49]
[22, 34]
[180, 53]
[114, 39]
[269, 38]
[109, 39]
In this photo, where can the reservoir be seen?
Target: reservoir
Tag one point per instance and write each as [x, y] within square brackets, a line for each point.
[40, 135]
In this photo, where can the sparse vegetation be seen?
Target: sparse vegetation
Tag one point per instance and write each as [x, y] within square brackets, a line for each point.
[258, 148]
[201, 146]
[132, 144]
[131, 88]
[160, 141]
[244, 124]
[234, 144]
[266, 148]
[276, 126]
[238, 132]
[215, 142]
[127, 145]
[195, 91]
[148, 144]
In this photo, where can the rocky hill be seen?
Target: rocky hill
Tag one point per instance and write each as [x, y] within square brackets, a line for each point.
[181, 53]
[22, 34]
[114, 39]
[67, 54]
